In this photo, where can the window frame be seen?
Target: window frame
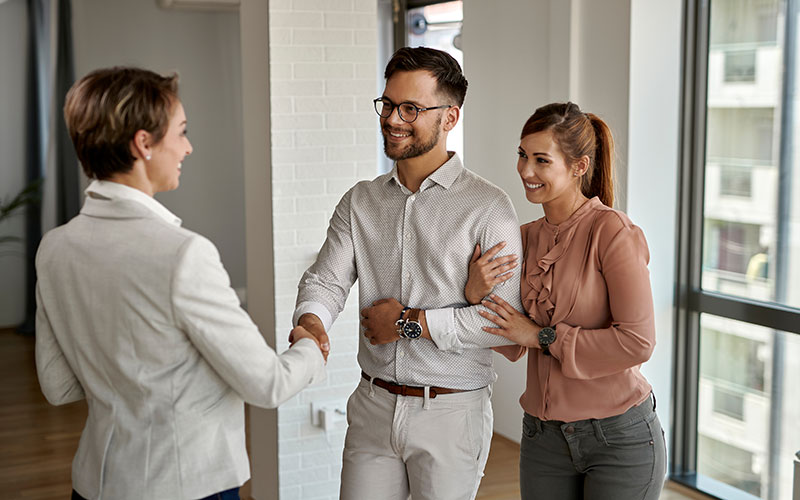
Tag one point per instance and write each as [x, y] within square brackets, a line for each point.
[690, 299]
[400, 9]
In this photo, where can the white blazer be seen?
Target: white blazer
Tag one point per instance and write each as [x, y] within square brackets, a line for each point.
[136, 314]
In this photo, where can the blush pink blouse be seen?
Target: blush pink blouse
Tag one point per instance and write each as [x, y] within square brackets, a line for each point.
[586, 277]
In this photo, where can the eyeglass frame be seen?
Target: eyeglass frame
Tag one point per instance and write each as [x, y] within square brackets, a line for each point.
[399, 114]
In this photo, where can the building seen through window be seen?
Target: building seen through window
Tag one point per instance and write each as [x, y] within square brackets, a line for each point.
[748, 408]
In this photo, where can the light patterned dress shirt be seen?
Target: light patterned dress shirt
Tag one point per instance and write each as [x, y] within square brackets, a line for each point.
[416, 248]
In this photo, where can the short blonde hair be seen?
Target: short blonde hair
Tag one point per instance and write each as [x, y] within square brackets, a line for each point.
[105, 109]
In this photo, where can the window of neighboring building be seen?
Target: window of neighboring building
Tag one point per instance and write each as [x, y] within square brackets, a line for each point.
[744, 21]
[730, 464]
[729, 353]
[740, 66]
[729, 247]
[730, 403]
[736, 180]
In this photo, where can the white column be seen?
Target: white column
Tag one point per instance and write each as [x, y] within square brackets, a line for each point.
[323, 57]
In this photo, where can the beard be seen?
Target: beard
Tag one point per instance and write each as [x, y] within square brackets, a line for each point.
[416, 148]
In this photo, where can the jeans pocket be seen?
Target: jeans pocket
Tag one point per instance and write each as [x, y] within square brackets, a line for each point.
[635, 435]
[530, 430]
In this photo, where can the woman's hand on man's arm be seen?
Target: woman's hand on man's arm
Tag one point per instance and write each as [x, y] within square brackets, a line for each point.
[486, 271]
[511, 324]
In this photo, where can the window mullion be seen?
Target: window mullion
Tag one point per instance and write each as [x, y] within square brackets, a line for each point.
[767, 314]
[684, 442]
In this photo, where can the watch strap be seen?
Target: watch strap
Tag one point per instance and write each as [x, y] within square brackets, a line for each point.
[402, 313]
[410, 327]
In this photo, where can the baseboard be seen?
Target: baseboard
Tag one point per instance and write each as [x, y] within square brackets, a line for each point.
[685, 490]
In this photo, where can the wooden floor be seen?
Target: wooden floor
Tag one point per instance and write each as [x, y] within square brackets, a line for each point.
[501, 479]
[501, 476]
[37, 440]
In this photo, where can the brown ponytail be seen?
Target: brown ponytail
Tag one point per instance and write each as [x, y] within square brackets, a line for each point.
[599, 180]
[580, 134]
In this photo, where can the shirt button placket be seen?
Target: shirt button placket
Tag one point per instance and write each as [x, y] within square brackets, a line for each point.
[399, 366]
[405, 284]
[406, 240]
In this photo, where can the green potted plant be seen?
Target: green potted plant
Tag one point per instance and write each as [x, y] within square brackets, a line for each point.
[30, 194]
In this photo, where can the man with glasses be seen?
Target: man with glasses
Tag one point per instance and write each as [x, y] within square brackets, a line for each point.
[421, 418]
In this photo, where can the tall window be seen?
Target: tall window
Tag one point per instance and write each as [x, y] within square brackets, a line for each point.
[738, 370]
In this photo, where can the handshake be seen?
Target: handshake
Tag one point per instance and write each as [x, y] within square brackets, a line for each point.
[310, 327]
[378, 323]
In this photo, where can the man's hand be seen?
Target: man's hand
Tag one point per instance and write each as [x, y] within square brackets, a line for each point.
[310, 324]
[298, 333]
[379, 321]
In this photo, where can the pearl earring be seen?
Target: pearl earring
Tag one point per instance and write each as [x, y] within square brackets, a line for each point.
[147, 157]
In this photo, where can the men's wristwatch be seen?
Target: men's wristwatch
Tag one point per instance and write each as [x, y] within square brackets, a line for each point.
[410, 327]
[547, 336]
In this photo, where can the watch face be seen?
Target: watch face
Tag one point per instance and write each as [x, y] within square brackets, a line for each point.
[412, 329]
[547, 336]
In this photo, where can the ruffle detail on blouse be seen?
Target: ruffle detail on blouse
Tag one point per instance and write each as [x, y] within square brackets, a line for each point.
[540, 279]
[538, 274]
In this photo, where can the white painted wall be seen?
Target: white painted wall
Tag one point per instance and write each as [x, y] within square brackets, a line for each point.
[204, 49]
[653, 156]
[618, 59]
[13, 61]
[262, 423]
[508, 38]
[323, 78]
[601, 69]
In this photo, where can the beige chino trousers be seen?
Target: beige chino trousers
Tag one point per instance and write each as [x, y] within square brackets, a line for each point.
[428, 448]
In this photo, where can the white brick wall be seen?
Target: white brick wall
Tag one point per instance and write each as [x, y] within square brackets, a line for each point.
[322, 77]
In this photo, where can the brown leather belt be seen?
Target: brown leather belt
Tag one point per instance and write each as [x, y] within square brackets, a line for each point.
[407, 390]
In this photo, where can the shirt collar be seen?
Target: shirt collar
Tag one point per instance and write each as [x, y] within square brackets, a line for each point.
[444, 175]
[117, 191]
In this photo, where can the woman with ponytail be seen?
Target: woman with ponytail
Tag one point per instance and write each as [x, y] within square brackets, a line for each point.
[590, 430]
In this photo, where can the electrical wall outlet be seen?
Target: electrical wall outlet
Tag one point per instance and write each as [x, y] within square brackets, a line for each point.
[325, 414]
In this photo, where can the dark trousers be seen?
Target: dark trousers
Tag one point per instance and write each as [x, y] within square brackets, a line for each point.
[231, 494]
[618, 457]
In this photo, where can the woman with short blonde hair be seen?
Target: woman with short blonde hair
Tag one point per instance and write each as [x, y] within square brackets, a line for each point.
[136, 314]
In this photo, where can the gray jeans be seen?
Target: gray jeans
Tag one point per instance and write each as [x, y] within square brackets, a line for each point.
[616, 458]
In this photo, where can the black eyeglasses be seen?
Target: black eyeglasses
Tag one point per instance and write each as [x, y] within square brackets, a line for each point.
[405, 110]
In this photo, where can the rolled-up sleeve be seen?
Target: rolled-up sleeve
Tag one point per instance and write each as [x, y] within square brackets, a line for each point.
[324, 287]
